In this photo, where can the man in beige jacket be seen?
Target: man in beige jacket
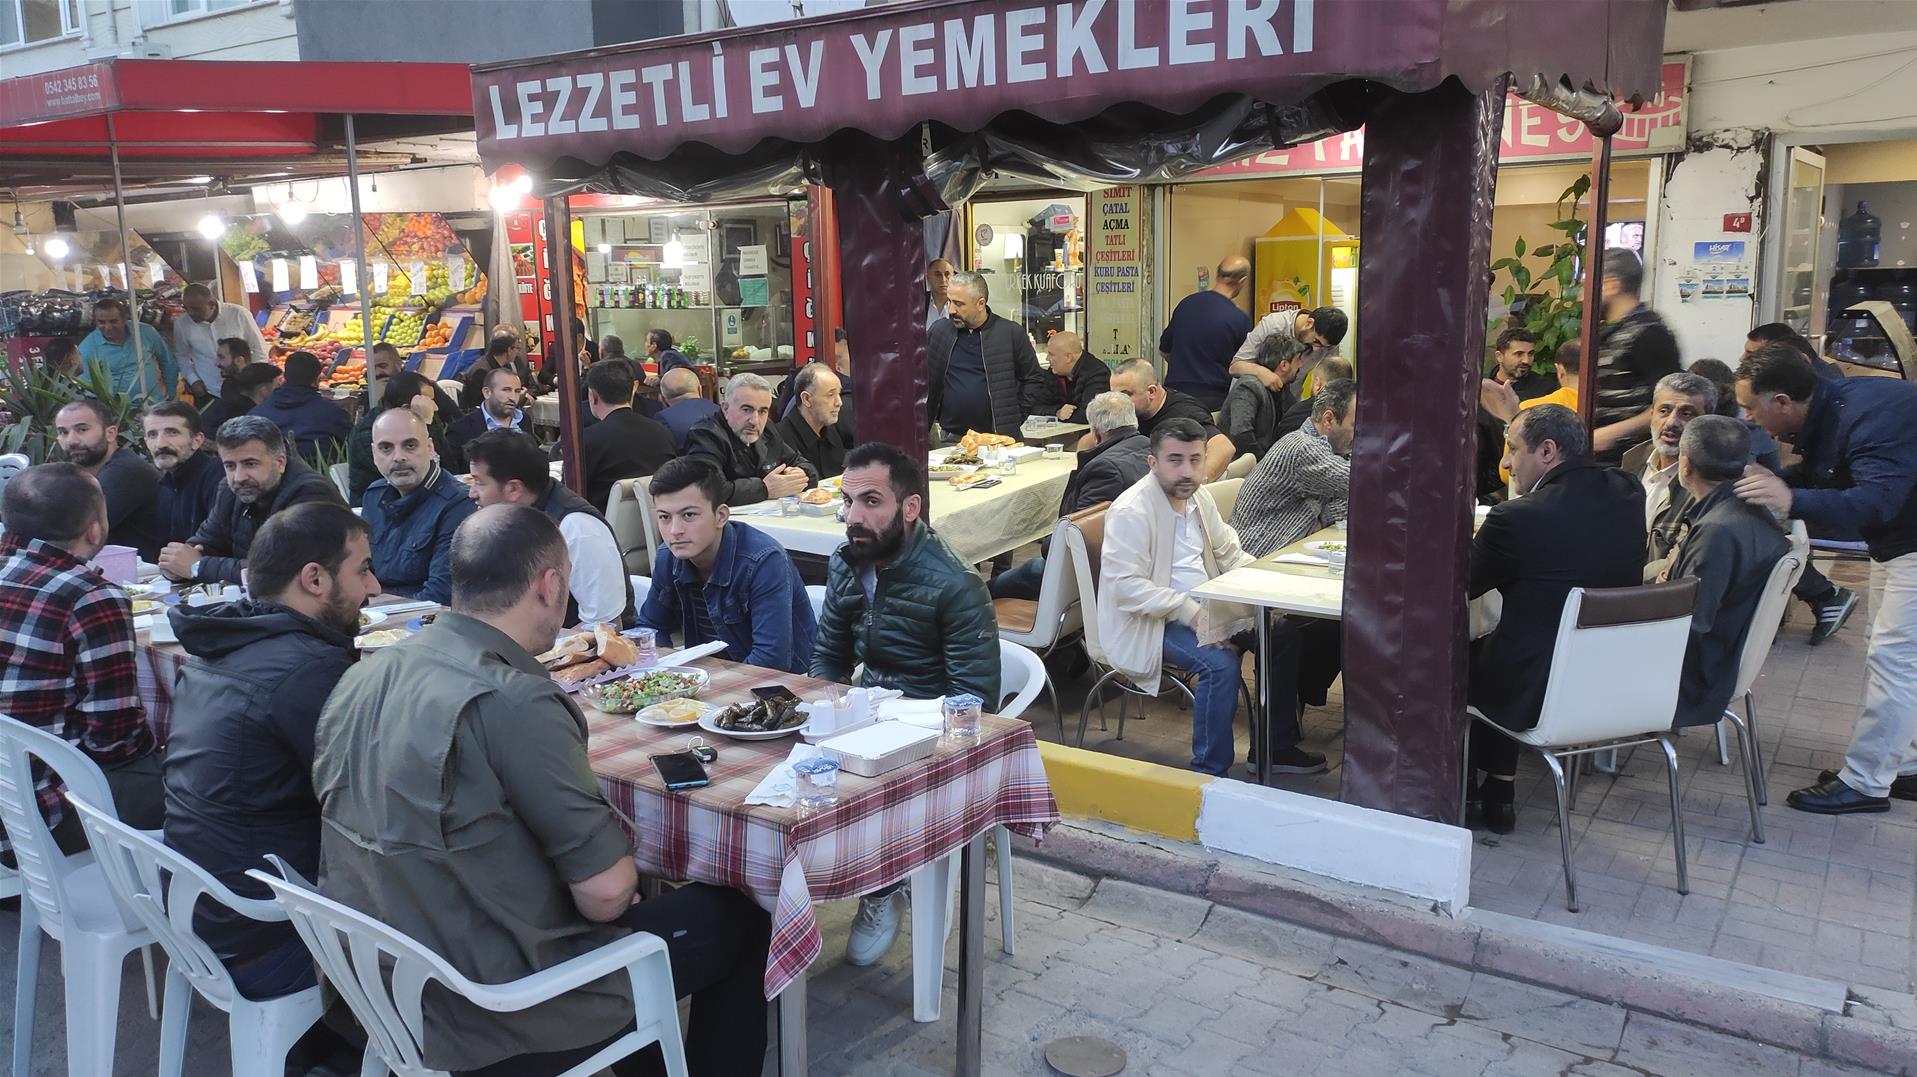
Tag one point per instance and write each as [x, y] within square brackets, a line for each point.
[1164, 537]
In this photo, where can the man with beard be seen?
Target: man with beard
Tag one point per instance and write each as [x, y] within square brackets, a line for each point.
[197, 335]
[67, 634]
[502, 406]
[243, 384]
[1677, 400]
[261, 480]
[87, 435]
[459, 806]
[983, 374]
[190, 479]
[413, 509]
[240, 753]
[757, 463]
[509, 467]
[812, 427]
[899, 601]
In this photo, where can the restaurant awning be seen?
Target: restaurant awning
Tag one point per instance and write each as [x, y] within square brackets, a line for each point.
[1098, 88]
[230, 119]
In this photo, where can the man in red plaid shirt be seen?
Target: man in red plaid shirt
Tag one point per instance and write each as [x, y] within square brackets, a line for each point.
[68, 637]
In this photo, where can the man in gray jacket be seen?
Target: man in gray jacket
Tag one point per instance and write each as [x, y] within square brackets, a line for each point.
[1730, 546]
[984, 374]
[1104, 471]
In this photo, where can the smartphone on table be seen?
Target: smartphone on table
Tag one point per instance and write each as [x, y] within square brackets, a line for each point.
[680, 770]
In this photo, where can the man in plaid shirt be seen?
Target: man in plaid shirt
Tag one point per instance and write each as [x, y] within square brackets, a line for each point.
[68, 635]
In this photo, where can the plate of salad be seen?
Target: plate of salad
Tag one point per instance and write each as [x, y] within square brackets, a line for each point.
[629, 695]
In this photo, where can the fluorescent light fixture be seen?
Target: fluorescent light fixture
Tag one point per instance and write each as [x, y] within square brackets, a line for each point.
[199, 181]
[212, 227]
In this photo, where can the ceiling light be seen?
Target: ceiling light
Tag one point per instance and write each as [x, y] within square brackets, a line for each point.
[199, 181]
[212, 227]
[523, 184]
[675, 254]
[292, 212]
[57, 248]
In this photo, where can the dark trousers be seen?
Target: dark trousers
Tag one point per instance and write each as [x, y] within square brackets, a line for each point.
[717, 939]
[138, 798]
[1812, 586]
[1023, 581]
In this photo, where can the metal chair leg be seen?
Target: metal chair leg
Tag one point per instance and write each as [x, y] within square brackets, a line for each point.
[1723, 750]
[1052, 694]
[1757, 749]
[1124, 702]
[1744, 747]
[1464, 771]
[1091, 697]
[1564, 830]
[1677, 814]
[1572, 767]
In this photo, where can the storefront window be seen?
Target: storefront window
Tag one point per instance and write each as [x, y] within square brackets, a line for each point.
[1032, 254]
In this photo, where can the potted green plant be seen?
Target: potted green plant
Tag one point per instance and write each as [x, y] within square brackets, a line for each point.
[1553, 301]
[30, 398]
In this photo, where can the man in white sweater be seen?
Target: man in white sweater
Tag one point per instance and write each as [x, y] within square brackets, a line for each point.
[197, 336]
[1163, 538]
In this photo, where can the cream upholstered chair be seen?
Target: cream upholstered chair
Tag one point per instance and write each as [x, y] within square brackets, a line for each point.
[1224, 494]
[629, 512]
[1239, 467]
[1589, 708]
[1057, 614]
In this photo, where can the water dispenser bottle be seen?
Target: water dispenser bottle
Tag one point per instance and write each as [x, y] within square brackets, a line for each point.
[1857, 238]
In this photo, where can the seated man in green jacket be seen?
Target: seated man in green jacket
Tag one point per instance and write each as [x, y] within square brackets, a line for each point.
[932, 622]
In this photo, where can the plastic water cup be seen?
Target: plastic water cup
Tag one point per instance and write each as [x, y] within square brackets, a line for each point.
[230, 593]
[647, 641]
[818, 783]
[788, 506]
[962, 715]
[1054, 450]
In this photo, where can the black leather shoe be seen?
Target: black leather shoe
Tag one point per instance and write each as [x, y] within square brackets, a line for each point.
[1904, 788]
[1834, 797]
[1500, 812]
[1295, 760]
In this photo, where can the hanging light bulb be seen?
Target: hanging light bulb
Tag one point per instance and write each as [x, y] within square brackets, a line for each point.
[212, 227]
[292, 212]
[57, 248]
[604, 248]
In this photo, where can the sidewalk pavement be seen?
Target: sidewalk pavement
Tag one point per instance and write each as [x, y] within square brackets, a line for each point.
[1185, 987]
[1833, 897]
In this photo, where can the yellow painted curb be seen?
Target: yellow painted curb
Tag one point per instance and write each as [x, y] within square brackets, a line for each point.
[1143, 796]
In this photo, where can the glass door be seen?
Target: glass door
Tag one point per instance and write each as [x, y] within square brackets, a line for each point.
[1801, 282]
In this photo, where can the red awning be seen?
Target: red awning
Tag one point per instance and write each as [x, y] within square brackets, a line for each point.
[190, 115]
[964, 63]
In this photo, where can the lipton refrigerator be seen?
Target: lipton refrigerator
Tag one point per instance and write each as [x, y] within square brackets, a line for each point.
[1306, 261]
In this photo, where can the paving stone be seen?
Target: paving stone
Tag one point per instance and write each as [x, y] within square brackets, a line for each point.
[1119, 902]
[1402, 978]
[1545, 1016]
[1268, 941]
[1660, 1046]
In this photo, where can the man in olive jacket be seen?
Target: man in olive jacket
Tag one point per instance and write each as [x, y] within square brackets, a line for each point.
[896, 585]
[984, 374]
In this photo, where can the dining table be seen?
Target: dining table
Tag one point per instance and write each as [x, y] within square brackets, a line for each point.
[882, 829]
[1021, 507]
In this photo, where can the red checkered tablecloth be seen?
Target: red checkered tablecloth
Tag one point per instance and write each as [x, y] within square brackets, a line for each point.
[881, 830]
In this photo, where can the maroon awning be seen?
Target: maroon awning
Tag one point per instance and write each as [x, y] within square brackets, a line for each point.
[964, 63]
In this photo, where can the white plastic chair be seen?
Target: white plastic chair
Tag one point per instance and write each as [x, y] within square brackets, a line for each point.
[65, 897]
[342, 476]
[452, 387]
[641, 587]
[382, 975]
[1757, 647]
[1589, 708]
[1021, 675]
[162, 888]
[629, 512]
[1056, 616]
[816, 593]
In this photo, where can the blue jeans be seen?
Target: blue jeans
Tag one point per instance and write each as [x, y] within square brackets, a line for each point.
[1215, 695]
[284, 970]
[1022, 581]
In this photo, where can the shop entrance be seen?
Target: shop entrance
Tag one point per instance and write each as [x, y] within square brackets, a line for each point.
[1031, 250]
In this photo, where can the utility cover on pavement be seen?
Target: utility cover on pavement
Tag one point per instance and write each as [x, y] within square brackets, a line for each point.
[1084, 1056]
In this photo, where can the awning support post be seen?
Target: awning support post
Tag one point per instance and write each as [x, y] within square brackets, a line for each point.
[359, 255]
[572, 450]
[881, 263]
[1593, 283]
[126, 263]
[1430, 168]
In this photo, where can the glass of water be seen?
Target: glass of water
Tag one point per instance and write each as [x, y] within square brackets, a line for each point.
[962, 714]
[818, 783]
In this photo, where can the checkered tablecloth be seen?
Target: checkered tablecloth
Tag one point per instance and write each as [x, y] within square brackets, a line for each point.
[881, 830]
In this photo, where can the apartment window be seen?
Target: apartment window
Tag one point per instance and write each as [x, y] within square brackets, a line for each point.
[188, 9]
[29, 22]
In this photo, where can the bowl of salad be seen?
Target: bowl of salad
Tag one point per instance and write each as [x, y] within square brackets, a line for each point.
[629, 695]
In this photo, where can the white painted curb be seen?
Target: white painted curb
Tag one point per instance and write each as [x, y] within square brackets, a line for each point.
[1426, 860]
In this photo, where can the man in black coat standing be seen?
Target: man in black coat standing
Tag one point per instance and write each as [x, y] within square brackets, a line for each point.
[984, 374]
[1574, 525]
[623, 444]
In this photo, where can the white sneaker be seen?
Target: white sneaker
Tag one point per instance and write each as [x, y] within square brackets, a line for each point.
[874, 930]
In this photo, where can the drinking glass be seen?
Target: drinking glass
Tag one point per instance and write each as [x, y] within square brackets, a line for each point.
[962, 716]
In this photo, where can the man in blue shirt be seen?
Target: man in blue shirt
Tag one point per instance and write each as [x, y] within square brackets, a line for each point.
[413, 509]
[150, 376]
[715, 579]
[1205, 330]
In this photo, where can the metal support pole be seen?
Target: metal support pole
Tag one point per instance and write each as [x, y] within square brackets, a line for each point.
[126, 265]
[359, 254]
[971, 969]
[1593, 279]
[572, 449]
